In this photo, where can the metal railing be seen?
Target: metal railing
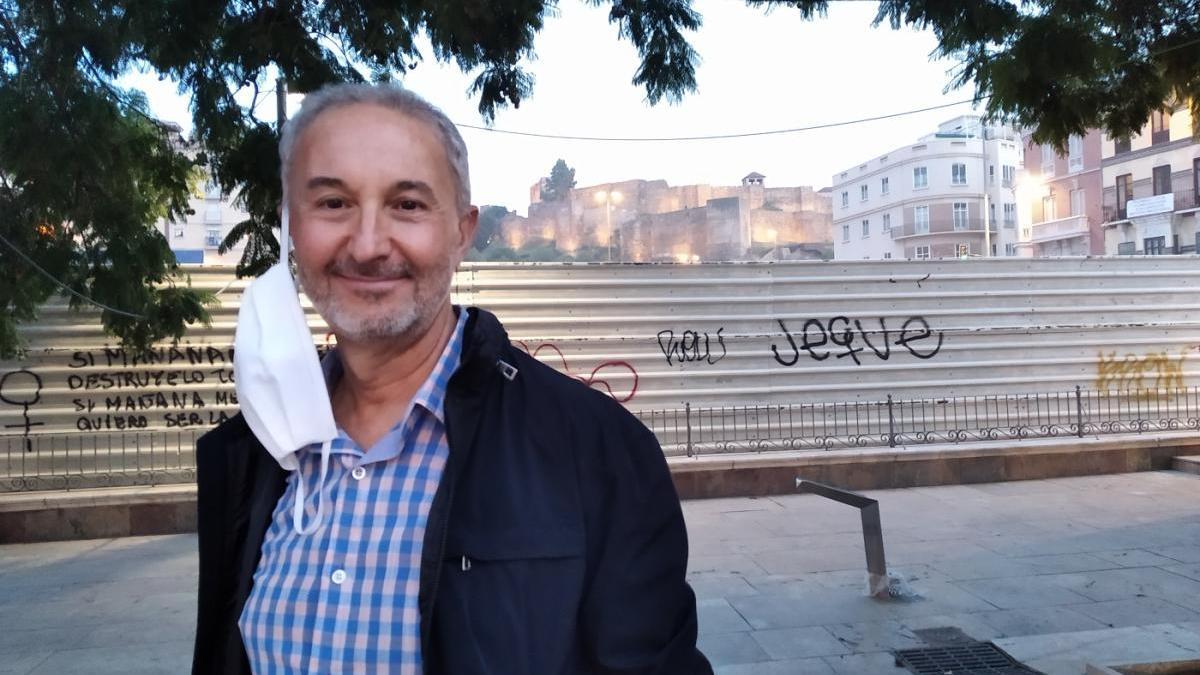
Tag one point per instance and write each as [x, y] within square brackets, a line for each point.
[893, 422]
[79, 460]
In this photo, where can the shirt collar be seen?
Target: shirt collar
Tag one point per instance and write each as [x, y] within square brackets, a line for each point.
[432, 393]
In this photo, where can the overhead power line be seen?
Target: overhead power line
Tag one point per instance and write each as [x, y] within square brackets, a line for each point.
[65, 287]
[713, 137]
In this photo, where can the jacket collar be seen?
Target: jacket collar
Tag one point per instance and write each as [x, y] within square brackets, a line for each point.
[484, 343]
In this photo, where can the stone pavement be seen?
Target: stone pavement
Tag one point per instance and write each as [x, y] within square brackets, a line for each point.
[1105, 568]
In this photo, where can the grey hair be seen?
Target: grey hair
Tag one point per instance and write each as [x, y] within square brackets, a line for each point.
[388, 96]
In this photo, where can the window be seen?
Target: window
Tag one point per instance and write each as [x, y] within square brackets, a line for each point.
[212, 191]
[212, 237]
[1075, 153]
[920, 177]
[1195, 185]
[991, 214]
[1154, 245]
[887, 255]
[991, 174]
[921, 219]
[962, 250]
[1077, 202]
[1049, 208]
[921, 253]
[1162, 179]
[887, 222]
[866, 229]
[845, 199]
[177, 231]
[212, 214]
[1026, 234]
[1124, 193]
[958, 174]
[1047, 160]
[883, 185]
[862, 193]
[1009, 175]
[1010, 250]
[1160, 129]
[960, 215]
[1010, 215]
[846, 232]
[1126, 248]
[1120, 145]
[993, 250]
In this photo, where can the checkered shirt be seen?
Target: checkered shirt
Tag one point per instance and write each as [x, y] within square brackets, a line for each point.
[344, 598]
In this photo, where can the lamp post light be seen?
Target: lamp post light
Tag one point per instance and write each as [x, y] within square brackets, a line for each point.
[608, 198]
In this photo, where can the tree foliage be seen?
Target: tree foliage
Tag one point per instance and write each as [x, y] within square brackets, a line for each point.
[85, 172]
[490, 219]
[560, 182]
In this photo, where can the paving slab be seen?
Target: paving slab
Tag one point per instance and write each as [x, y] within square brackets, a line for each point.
[1067, 653]
[1107, 565]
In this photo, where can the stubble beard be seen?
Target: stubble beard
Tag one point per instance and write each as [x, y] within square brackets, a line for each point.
[394, 321]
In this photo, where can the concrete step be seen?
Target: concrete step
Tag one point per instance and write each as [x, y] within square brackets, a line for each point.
[1187, 464]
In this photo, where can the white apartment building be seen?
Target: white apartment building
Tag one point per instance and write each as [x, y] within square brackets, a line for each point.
[1152, 188]
[196, 238]
[927, 199]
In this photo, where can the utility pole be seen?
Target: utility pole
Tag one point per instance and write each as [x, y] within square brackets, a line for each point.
[280, 103]
[987, 225]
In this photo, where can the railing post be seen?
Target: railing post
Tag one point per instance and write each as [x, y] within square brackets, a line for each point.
[687, 412]
[891, 424]
[1078, 411]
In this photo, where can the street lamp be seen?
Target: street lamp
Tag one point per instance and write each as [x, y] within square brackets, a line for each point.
[608, 198]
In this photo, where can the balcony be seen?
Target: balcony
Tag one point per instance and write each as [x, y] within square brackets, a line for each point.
[1114, 214]
[1185, 199]
[941, 226]
[1060, 228]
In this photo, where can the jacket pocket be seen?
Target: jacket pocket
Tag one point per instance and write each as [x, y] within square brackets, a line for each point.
[524, 543]
[509, 600]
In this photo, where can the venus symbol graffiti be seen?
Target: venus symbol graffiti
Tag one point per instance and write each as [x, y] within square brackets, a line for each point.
[15, 389]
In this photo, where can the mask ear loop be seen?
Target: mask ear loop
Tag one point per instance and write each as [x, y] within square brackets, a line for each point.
[298, 506]
[285, 238]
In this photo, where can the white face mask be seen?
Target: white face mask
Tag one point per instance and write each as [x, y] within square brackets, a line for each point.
[280, 385]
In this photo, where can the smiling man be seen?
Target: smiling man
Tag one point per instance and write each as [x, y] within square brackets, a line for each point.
[476, 511]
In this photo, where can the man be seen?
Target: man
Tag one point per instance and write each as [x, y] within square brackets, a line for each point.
[477, 511]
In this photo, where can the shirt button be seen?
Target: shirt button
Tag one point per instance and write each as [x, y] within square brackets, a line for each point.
[338, 576]
[358, 473]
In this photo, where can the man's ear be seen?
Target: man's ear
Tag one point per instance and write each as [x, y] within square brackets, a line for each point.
[468, 224]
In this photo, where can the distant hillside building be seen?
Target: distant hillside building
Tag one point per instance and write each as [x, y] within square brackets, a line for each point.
[648, 221]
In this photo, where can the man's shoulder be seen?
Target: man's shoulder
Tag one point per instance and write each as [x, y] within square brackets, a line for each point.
[232, 432]
[231, 429]
[577, 400]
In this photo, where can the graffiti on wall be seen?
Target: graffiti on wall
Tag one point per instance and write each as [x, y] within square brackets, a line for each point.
[600, 375]
[165, 386]
[1159, 370]
[22, 388]
[692, 346]
[842, 337]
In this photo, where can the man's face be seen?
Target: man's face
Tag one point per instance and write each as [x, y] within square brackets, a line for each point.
[375, 222]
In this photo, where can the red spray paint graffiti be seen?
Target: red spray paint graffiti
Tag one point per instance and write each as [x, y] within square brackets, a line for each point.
[593, 378]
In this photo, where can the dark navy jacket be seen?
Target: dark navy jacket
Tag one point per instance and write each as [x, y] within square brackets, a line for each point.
[556, 496]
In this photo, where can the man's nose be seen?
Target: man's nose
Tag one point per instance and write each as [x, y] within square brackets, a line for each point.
[370, 238]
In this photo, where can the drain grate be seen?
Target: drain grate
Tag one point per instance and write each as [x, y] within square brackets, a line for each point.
[973, 658]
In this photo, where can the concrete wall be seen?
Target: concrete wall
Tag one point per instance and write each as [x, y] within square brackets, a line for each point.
[773, 333]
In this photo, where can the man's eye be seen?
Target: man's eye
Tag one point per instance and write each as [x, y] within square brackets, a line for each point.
[333, 203]
[408, 205]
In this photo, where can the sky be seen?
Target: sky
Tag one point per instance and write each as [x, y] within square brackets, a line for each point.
[758, 71]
